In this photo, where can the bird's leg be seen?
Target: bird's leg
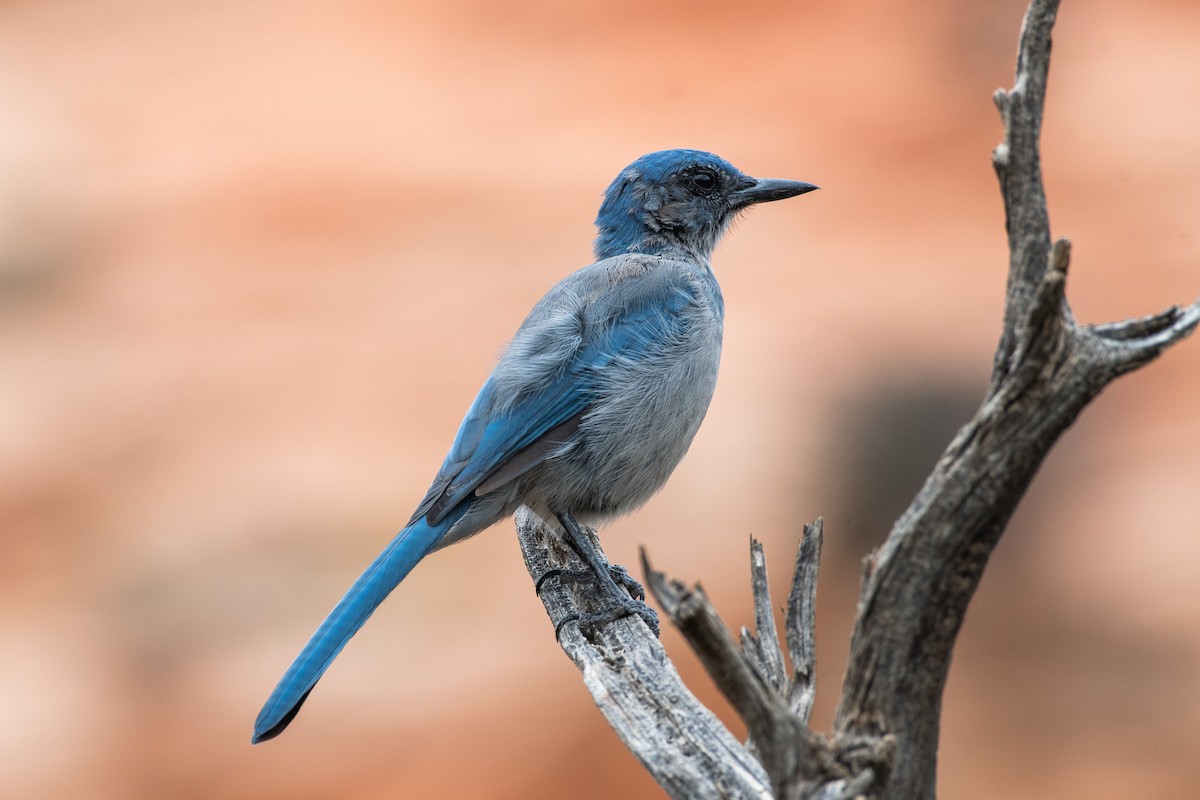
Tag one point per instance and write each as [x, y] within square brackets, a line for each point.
[625, 593]
[619, 574]
[622, 578]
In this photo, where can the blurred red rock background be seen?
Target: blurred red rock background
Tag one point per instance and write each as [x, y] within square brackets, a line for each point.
[256, 257]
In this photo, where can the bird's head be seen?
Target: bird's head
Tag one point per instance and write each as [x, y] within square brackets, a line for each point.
[679, 200]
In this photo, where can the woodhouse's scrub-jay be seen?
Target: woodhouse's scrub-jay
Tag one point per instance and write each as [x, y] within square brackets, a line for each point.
[592, 405]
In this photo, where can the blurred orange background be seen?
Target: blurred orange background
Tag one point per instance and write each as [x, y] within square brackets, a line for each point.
[256, 257]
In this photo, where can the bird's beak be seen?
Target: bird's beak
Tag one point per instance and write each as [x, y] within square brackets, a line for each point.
[764, 190]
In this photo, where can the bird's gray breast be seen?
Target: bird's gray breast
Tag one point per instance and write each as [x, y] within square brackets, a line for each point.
[651, 396]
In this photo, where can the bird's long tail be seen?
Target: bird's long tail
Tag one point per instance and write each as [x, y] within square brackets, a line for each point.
[392, 565]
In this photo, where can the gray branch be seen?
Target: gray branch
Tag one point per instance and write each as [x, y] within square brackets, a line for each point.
[679, 741]
[917, 585]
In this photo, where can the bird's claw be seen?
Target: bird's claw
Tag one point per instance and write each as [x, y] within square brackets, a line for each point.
[622, 606]
[554, 573]
[627, 608]
[621, 577]
[619, 574]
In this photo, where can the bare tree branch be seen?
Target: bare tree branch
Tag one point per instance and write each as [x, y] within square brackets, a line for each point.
[1046, 370]
[801, 621]
[679, 741]
[798, 761]
[1017, 161]
[762, 645]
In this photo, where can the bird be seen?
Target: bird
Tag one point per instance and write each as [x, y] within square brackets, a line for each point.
[591, 406]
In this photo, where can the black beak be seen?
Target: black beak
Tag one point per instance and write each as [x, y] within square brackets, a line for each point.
[764, 190]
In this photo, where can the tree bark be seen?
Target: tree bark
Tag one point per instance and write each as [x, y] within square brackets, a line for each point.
[918, 584]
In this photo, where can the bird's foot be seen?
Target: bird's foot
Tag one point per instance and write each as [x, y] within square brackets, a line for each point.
[619, 574]
[622, 578]
[626, 607]
[562, 575]
[622, 605]
[620, 593]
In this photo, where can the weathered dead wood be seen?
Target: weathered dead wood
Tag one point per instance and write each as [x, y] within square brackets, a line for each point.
[679, 741]
[1046, 370]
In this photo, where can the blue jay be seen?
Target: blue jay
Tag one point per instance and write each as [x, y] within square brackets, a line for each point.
[592, 405]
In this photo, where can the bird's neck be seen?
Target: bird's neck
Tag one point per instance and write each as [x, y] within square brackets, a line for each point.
[634, 236]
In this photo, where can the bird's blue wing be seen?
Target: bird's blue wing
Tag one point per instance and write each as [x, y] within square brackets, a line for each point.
[627, 321]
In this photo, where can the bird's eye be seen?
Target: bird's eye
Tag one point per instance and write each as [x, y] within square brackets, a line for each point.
[703, 180]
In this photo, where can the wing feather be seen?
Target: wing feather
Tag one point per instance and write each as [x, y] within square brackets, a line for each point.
[540, 391]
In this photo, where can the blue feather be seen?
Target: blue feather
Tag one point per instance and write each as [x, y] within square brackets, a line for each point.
[376, 583]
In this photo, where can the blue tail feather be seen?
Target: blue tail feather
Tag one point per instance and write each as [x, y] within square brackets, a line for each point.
[384, 573]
